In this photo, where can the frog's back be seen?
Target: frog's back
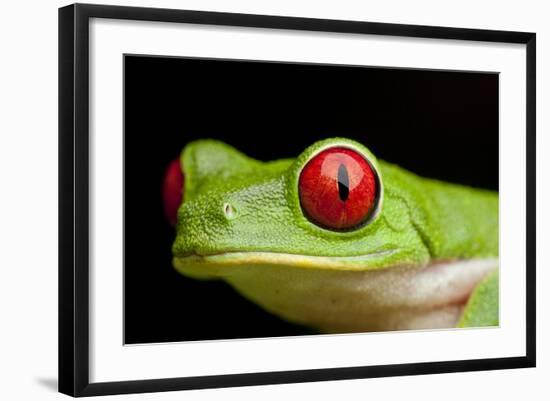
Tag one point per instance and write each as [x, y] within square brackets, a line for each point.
[454, 221]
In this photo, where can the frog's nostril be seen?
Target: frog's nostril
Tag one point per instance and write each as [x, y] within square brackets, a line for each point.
[229, 211]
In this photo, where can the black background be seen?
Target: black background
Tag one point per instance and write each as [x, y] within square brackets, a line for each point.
[434, 123]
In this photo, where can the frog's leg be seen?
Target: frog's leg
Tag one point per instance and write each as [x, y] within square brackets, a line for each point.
[482, 307]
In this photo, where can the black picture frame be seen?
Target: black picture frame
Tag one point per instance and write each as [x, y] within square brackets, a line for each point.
[74, 198]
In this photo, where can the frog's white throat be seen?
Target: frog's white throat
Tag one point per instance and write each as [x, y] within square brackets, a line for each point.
[336, 301]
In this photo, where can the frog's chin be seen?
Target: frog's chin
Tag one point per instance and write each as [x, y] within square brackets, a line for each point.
[346, 299]
[220, 264]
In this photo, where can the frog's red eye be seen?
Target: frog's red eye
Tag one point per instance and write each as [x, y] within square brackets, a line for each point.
[172, 190]
[338, 189]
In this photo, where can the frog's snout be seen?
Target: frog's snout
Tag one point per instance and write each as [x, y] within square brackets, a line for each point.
[218, 216]
[205, 223]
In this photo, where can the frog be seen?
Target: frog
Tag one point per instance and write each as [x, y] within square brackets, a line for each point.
[335, 239]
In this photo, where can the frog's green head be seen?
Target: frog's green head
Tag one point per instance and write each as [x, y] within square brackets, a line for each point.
[327, 209]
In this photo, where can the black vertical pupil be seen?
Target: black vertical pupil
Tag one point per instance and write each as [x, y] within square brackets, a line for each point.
[343, 183]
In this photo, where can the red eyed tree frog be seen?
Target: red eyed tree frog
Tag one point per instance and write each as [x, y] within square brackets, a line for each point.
[336, 239]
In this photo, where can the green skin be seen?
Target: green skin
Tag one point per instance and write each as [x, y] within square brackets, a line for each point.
[427, 257]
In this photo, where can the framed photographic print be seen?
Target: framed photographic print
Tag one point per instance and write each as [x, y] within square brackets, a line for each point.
[251, 199]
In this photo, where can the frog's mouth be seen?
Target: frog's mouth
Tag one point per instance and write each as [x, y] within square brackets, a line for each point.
[211, 263]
